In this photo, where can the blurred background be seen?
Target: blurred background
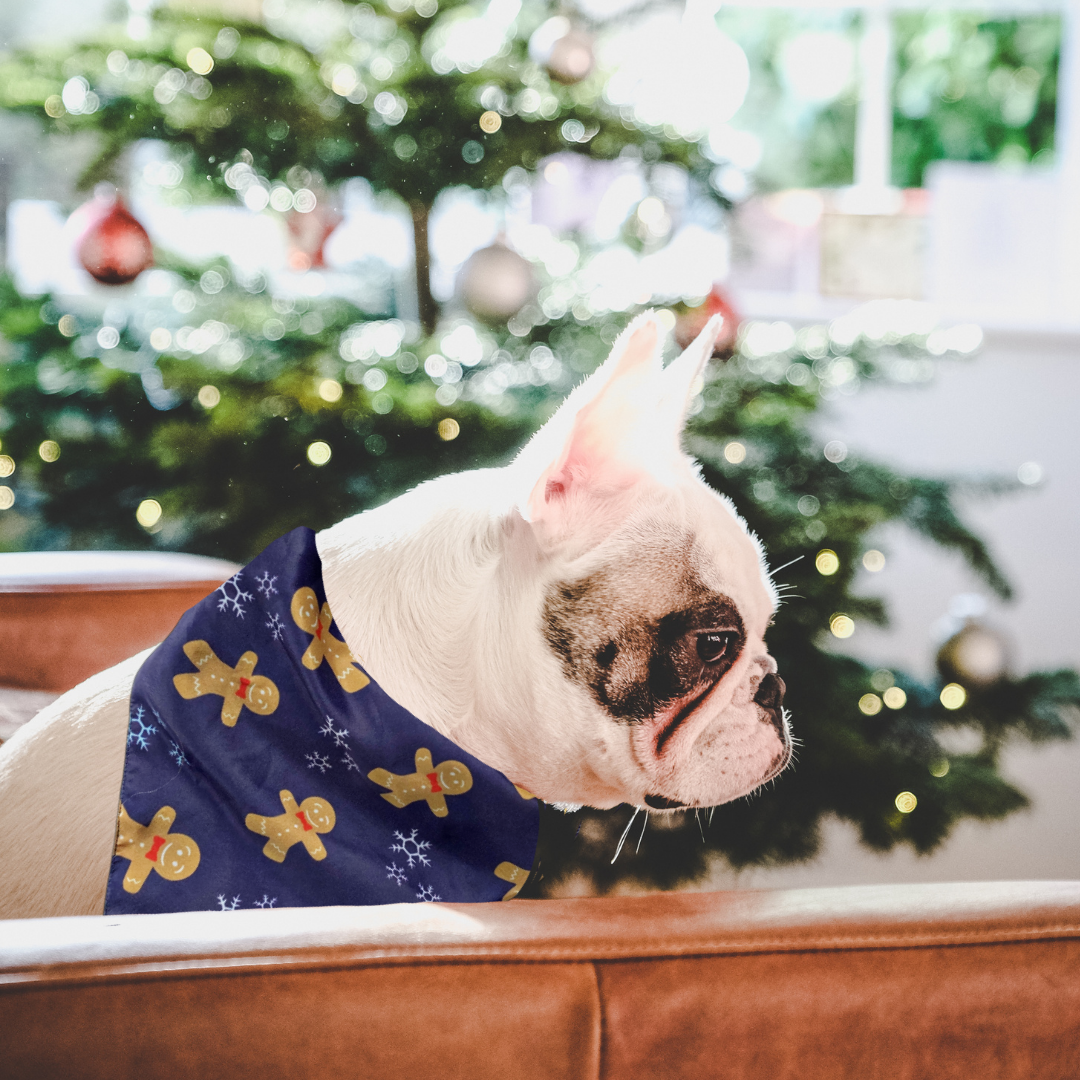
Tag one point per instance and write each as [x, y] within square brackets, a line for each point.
[270, 262]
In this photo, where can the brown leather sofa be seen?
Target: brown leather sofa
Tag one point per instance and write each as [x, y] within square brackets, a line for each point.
[972, 982]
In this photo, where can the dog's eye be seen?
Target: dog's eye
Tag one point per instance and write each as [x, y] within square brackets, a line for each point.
[715, 645]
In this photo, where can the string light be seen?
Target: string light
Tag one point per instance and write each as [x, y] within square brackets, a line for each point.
[200, 61]
[953, 695]
[330, 390]
[906, 802]
[874, 561]
[449, 429]
[318, 453]
[148, 513]
[842, 626]
[870, 704]
[49, 450]
[895, 698]
[827, 562]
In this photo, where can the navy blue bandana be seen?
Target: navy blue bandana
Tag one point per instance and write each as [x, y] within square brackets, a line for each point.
[265, 768]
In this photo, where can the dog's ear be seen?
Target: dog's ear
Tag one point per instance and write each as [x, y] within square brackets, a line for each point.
[680, 380]
[598, 444]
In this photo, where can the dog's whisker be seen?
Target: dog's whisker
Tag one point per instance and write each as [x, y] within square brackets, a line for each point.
[622, 839]
[701, 828]
[786, 565]
[642, 836]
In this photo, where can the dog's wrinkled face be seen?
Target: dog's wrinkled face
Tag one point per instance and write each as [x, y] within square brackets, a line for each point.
[672, 650]
[655, 599]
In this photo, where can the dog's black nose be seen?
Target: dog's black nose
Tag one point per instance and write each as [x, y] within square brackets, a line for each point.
[770, 696]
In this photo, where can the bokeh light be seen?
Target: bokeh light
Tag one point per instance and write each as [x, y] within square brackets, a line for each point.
[7, 498]
[735, 452]
[200, 61]
[906, 802]
[7, 465]
[953, 695]
[842, 626]
[331, 390]
[209, 396]
[870, 704]
[1030, 473]
[49, 450]
[827, 562]
[882, 679]
[160, 339]
[68, 326]
[490, 122]
[449, 429]
[895, 698]
[939, 768]
[319, 453]
[874, 561]
[148, 513]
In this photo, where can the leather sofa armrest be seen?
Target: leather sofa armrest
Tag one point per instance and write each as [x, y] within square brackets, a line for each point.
[906, 981]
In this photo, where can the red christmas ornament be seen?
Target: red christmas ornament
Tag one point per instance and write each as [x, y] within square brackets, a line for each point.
[113, 247]
[692, 321]
[308, 233]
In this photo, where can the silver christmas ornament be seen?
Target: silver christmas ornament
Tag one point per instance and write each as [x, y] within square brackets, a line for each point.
[496, 283]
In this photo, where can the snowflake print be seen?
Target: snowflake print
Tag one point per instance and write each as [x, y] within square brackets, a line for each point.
[232, 596]
[318, 761]
[350, 762]
[427, 894]
[329, 729]
[265, 902]
[411, 848]
[226, 905]
[140, 736]
[265, 584]
[276, 627]
[396, 874]
[178, 755]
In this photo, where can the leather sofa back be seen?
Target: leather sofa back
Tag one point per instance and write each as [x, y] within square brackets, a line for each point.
[944, 981]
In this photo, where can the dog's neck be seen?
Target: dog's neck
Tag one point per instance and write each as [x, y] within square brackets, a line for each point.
[419, 588]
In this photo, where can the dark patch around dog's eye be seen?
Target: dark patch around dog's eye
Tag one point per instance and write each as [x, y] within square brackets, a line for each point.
[633, 664]
[606, 654]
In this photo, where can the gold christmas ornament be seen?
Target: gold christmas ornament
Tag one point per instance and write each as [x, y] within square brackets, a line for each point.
[976, 656]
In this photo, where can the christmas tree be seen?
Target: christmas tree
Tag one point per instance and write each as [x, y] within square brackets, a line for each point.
[222, 409]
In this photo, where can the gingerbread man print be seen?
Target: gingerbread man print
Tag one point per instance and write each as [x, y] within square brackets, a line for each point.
[516, 875]
[151, 847]
[298, 825]
[306, 615]
[238, 686]
[430, 782]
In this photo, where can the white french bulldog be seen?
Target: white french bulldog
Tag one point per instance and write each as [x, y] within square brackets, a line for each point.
[589, 620]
